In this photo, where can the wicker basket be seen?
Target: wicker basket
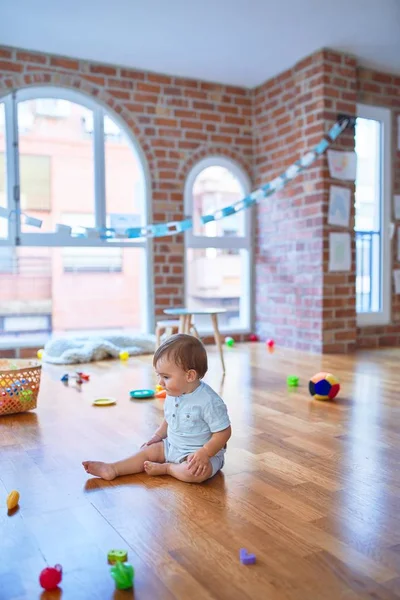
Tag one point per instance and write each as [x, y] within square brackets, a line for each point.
[19, 385]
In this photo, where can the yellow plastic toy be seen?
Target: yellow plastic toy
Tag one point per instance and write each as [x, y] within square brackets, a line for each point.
[124, 355]
[40, 353]
[12, 499]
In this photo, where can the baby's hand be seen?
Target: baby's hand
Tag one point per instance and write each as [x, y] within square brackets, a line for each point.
[154, 440]
[198, 462]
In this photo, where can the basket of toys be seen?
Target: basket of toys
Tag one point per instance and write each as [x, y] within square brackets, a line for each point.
[19, 385]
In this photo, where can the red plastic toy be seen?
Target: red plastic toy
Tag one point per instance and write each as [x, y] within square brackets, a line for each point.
[253, 337]
[50, 577]
[270, 345]
[83, 376]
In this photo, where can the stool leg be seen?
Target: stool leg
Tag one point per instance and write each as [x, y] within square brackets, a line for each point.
[182, 322]
[194, 331]
[217, 336]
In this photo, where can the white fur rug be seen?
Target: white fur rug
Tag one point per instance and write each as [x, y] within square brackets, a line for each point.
[70, 351]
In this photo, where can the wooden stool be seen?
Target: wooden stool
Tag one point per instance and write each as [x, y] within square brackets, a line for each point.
[170, 327]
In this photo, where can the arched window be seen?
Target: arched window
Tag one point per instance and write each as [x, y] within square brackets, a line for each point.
[67, 161]
[218, 254]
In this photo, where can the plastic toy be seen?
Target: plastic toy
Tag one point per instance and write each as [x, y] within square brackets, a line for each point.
[104, 401]
[123, 574]
[159, 388]
[253, 337]
[50, 577]
[161, 395]
[12, 499]
[270, 345]
[117, 556]
[246, 558]
[40, 353]
[78, 376]
[324, 386]
[229, 341]
[292, 381]
[141, 394]
[124, 355]
[26, 395]
[83, 376]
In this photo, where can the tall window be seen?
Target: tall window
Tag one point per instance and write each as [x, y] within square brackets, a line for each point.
[372, 214]
[67, 162]
[218, 254]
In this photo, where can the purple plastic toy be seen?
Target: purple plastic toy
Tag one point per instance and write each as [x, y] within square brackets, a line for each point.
[246, 558]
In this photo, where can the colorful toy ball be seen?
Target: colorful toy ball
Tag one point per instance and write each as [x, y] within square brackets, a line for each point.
[124, 355]
[40, 353]
[324, 386]
[253, 337]
[229, 341]
[50, 577]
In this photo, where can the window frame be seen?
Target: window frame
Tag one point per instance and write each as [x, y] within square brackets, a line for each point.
[384, 116]
[56, 239]
[244, 242]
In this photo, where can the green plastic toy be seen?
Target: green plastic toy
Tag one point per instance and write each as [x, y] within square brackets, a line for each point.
[26, 395]
[229, 341]
[123, 574]
[293, 381]
[117, 556]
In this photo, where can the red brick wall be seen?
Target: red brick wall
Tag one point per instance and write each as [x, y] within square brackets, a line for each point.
[382, 89]
[176, 122]
[179, 121]
[297, 301]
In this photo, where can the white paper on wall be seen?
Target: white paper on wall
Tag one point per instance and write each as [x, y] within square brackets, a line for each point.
[398, 244]
[397, 208]
[398, 132]
[342, 165]
[339, 252]
[339, 206]
[396, 277]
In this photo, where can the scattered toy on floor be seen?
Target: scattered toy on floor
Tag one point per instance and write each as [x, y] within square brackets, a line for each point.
[161, 393]
[79, 377]
[123, 574]
[50, 577]
[104, 401]
[141, 394]
[270, 345]
[253, 337]
[292, 381]
[83, 376]
[124, 355]
[229, 341]
[246, 558]
[12, 500]
[117, 556]
[324, 386]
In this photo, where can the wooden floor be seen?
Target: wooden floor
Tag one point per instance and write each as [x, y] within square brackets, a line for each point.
[313, 489]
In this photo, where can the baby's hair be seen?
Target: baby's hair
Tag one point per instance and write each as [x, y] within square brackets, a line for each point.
[186, 351]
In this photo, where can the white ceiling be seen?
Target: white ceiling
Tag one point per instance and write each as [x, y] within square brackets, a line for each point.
[241, 42]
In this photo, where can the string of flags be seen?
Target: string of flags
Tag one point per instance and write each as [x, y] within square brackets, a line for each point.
[158, 230]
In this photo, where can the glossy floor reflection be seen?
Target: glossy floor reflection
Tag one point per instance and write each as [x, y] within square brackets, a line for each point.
[312, 488]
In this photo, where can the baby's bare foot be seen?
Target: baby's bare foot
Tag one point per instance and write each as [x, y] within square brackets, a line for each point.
[100, 469]
[154, 469]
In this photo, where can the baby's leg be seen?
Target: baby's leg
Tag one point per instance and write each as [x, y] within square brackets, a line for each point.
[128, 466]
[178, 471]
